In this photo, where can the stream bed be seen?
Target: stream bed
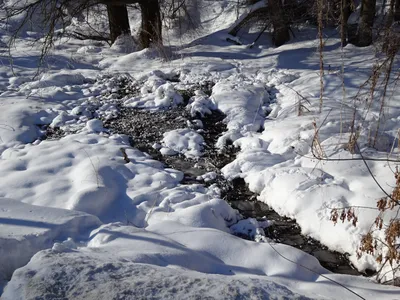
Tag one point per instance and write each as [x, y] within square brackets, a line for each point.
[146, 128]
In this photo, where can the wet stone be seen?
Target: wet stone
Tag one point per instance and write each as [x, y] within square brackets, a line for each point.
[145, 128]
[50, 133]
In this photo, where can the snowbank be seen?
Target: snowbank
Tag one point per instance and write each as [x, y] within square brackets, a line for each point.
[102, 278]
[167, 261]
[26, 229]
[184, 141]
[244, 106]
[175, 240]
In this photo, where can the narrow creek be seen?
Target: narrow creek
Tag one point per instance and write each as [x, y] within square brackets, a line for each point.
[146, 128]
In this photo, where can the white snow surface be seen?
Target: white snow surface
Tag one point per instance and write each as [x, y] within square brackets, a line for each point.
[152, 236]
[184, 141]
[166, 261]
[94, 125]
[242, 103]
[200, 104]
[26, 229]
[252, 228]
[156, 95]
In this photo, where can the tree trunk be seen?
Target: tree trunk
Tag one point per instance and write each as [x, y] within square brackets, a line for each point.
[366, 22]
[345, 11]
[390, 39]
[281, 29]
[254, 16]
[150, 31]
[397, 11]
[118, 21]
[390, 15]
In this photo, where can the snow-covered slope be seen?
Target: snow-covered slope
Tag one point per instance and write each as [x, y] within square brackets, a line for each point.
[26, 229]
[171, 261]
[154, 237]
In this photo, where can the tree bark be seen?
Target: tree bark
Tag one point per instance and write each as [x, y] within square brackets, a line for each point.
[253, 17]
[397, 11]
[366, 22]
[390, 41]
[391, 13]
[345, 11]
[150, 31]
[281, 29]
[118, 21]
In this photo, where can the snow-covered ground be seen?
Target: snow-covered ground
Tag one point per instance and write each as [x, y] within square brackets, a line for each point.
[128, 229]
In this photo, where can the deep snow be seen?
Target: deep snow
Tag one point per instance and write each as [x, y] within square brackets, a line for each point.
[158, 238]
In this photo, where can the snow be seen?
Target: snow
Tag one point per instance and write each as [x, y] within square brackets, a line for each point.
[17, 122]
[200, 104]
[252, 228]
[155, 95]
[56, 80]
[152, 236]
[103, 279]
[210, 176]
[124, 44]
[164, 260]
[94, 125]
[184, 141]
[26, 229]
[242, 103]
[93, 177]
[214, 213]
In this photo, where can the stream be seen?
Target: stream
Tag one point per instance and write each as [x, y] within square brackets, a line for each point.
[146, 128]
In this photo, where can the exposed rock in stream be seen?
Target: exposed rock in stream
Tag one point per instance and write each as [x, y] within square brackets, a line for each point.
[50, 133]
[146, 128]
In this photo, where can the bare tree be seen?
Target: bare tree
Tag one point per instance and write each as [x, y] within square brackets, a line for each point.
[118, 21]
[51, 14]
[280, 34]
[365, 24]
[150, 31]
[267, 15]
[345, 11]
[397, 11]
